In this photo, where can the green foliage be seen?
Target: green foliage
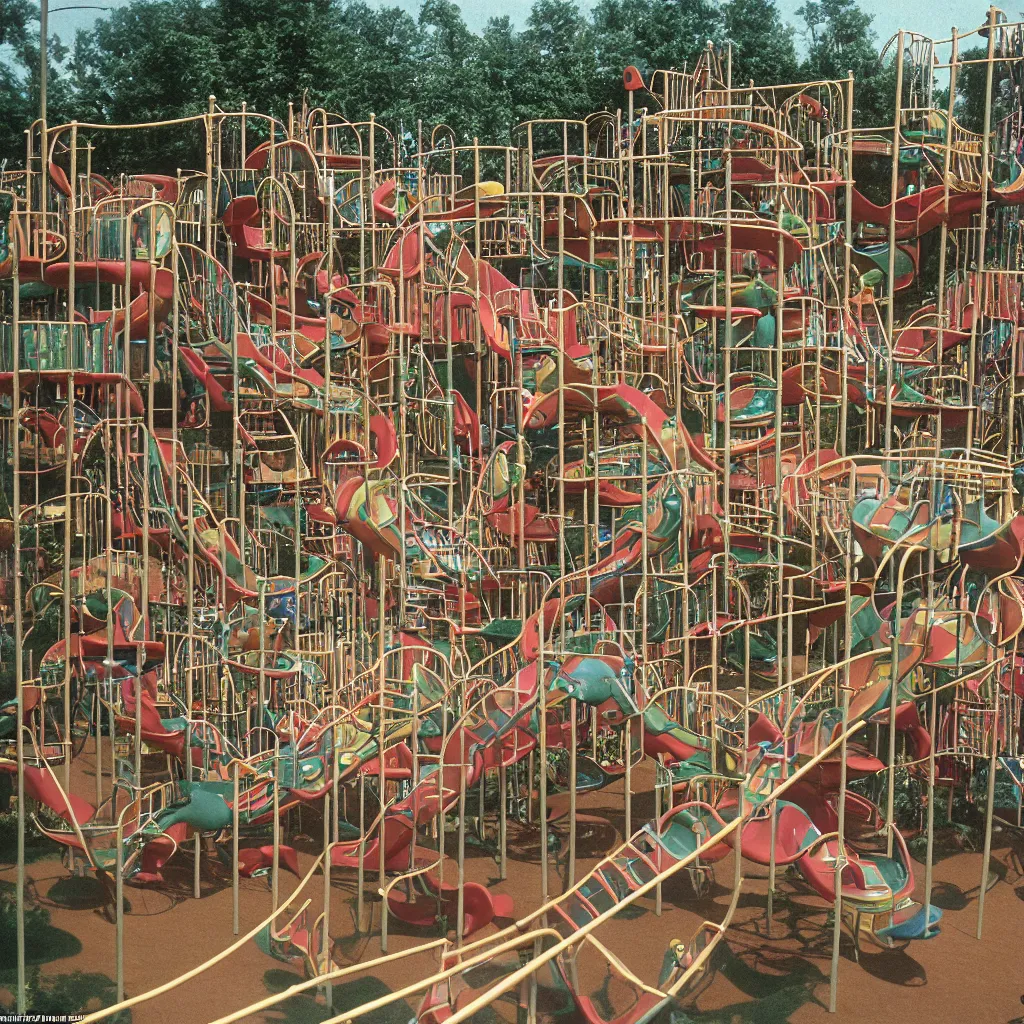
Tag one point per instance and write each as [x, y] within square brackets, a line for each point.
[43, 944]
[1005, 795]
[7, 682]
[37, 920]
[37, 846]
[971, 84]
[961, 825]
[840, 41]
[46, 630]
[69, 994]
[153, 60]
[650, 34]
[839, 38]
[908, 800]
[19, 77]
[762, 45]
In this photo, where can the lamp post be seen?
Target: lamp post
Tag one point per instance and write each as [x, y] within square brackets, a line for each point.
[44, 17]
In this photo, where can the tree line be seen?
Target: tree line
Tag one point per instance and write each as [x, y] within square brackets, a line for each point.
[160, 59]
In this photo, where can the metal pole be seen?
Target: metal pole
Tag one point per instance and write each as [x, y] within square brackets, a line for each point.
[19, 632]
[990, 798]
[840, 859]
[329, 985]
[234, 851]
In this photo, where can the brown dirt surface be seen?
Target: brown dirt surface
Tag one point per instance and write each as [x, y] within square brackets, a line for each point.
[754, 978]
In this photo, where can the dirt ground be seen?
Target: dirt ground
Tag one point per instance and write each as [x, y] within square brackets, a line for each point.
[754, 979]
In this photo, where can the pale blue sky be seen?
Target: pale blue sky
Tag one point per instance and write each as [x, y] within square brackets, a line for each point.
[934, 18]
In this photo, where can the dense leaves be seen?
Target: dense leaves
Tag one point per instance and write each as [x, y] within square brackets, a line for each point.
[19, 76]
[158, 59]
[971, 83]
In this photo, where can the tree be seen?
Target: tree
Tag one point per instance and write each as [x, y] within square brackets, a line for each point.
[971, 84]
[762, 45]
[375, 53]
[667, 34]
[19, 78]
[273, 53]
[840, 40]
[448, 82]
[153, 60]
[157, 60]
[559, 62]
[501, 65]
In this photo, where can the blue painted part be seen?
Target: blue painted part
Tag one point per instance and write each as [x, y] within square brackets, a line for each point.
[913, 927]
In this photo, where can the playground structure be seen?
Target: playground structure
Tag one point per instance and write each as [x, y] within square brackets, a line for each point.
[396, 481]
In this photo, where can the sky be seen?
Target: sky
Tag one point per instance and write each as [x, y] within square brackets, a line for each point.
[934, 18]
